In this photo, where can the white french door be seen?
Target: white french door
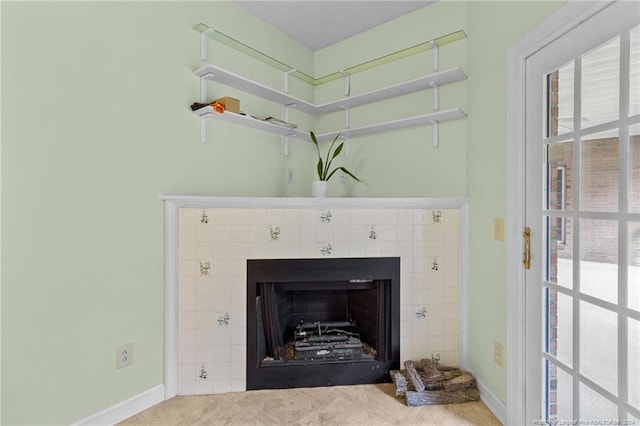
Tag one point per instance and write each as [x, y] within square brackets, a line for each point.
[583, 210]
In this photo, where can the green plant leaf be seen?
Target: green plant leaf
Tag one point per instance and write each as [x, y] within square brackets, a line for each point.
[320, 169]
[338, 151]
[328, 162]
[315, 142]
[344, 170]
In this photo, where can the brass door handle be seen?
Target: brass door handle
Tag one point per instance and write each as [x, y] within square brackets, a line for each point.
[526, 257]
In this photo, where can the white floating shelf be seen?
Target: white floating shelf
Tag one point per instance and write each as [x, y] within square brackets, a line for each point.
[422, 83]
[254, 123]
[225, 77]
[247, 121]
[213, 73]
[418, 120]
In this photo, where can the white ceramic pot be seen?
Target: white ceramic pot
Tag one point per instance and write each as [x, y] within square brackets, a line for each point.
[319, 188]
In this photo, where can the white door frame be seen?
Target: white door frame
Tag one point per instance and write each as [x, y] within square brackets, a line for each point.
[562, 21]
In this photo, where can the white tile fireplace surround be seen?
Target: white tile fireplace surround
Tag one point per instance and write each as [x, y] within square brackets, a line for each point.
[209, 239]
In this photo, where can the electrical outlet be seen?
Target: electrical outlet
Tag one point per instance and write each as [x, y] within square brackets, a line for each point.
[342, 177]
[290, 176]
[497, 353]
[124, 355]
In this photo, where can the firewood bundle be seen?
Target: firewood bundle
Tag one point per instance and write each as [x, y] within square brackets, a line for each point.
[428, 384]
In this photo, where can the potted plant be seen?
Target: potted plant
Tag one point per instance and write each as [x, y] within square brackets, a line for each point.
[319, 187]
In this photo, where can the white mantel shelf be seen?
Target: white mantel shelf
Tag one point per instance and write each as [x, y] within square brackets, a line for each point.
[203, 201]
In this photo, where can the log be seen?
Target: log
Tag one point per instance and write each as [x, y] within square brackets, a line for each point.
[414, 376]
[434, 392]
[430, 370]
[417, 399]
[401, 383]
[457, 383]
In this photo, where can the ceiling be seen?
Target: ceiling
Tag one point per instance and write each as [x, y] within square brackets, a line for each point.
[320, 23]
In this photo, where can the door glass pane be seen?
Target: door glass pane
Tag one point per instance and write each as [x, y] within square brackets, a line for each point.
[560, 176]
[599, 175]
[633, 280]
[561, 251]
[560, 322]
[634, 168]
[634, 82]
[599, 258]
[560, 391]
[598, 346]
[601, 84]
[633, 372]
[594, 406]
[560, 101]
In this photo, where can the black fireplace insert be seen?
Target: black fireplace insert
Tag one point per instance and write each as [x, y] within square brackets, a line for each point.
[322, 322]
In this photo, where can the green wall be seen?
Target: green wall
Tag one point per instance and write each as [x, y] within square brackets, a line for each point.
[493, 27]
[404, 162]
[96, 125]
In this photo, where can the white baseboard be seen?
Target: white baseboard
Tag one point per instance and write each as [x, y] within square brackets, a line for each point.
[125, 409]
[493, 403]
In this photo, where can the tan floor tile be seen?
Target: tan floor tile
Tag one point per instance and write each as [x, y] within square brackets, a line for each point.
[227, 414]
[252, 401]
[370, 405]
[358, 418]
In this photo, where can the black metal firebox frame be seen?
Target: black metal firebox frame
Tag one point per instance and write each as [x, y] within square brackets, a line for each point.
[383, 270]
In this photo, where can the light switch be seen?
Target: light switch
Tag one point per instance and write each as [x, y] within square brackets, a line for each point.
[498, 229]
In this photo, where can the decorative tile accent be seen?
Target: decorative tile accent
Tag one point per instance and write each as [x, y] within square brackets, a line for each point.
[326, 249]
[437, 215]
[223, 319]
[421, 312]
[274, 231]
[205, 268]
[435, 359]
[203, 374]
[325, 216]
[204, 218]
[372, 233]
[435, 265]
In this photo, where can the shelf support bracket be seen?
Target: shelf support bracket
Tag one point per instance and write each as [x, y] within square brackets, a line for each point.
[203, 86]
[436, 96]
[203, 128]
[285, 140]
[347, 117]
[285, 149]
[436, 54]
[203, 43]
[286, 137]
[286, 144]
[287, 76]
[347, 83]
[203, 99]
[435, 126]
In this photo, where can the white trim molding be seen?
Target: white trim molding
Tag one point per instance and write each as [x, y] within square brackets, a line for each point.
[185, 201]
[125, 409]
[463, 297]
[493, 403]
[562, 21]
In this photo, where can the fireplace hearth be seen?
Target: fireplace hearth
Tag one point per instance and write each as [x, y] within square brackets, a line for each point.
[322, 322]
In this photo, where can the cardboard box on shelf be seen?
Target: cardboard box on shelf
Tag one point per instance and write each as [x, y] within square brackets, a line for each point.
[230, 104]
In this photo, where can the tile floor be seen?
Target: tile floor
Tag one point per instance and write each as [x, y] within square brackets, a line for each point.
[340, 405]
